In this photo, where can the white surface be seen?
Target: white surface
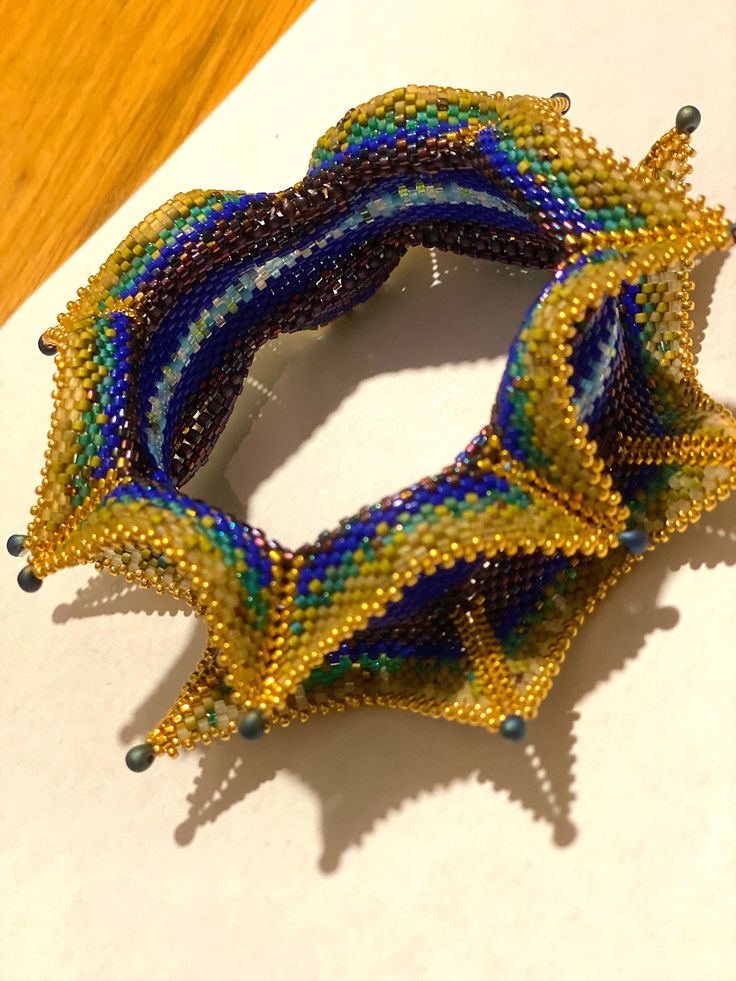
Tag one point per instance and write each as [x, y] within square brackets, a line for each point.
[379, 845]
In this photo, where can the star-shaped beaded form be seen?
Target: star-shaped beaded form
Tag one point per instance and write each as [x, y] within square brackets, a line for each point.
[458, 596]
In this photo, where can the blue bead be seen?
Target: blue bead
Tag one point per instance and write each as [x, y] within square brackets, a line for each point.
[28, 580]
[513, 728]
[16, 545]
[636, 540]
[251, 725]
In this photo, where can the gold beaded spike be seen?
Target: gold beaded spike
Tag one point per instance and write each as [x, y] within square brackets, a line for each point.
[457, 597]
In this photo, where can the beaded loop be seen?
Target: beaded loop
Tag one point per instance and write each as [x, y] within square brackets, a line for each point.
[458, 596]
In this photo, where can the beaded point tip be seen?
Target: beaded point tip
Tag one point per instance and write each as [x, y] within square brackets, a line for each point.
[250, 725]
[636, 540]
[687, 120]
[561, 101]
[16, 545]
[140, 758]
[28, 580]
[45, 347]
[458, 596]
[513, 728]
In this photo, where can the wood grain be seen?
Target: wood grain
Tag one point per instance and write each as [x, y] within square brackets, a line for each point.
[95, 95]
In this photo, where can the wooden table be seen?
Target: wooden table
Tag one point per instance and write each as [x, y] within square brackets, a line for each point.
[95, 95]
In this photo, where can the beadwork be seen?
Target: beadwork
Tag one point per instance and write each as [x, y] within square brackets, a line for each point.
[459, 595]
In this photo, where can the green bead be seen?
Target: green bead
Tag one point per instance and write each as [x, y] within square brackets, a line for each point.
[139, 758]
[687, 119]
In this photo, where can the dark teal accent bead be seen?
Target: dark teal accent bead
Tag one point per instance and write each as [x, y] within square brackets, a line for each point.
[44, 348]
[28, 580]
[139, 758]
[562, 95]
[251, 725]
[636, 540]
[513, 728]
[687, 119]
[16, 545]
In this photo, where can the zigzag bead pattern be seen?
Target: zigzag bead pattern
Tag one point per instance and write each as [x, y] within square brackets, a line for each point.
[456, 597]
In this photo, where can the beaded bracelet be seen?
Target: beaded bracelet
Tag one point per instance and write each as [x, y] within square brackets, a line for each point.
[456, 597]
